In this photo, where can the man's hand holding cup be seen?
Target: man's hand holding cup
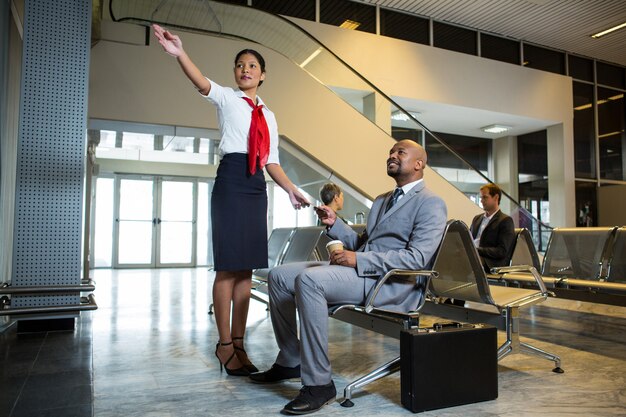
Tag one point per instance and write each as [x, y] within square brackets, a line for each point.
[339, 256]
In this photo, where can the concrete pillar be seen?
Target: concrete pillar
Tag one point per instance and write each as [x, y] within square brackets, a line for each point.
[561, 185]
[505, 172]
[378, 110]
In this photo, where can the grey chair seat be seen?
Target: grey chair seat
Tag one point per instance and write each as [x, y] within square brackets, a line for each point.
[510, 296]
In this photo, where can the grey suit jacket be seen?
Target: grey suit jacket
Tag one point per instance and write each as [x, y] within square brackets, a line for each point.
[406, 237]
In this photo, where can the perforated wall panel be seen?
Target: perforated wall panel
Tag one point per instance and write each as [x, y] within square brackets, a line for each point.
[53, 113]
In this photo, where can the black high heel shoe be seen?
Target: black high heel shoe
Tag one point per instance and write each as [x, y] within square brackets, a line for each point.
[249, 366]
[242, 371]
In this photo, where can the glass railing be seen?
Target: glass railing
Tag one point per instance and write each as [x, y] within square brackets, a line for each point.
[288, 39]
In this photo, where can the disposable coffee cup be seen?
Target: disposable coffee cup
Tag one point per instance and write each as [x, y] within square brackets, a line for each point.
[334, 245]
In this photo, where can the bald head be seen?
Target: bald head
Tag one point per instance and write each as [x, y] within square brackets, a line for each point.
[406, 162]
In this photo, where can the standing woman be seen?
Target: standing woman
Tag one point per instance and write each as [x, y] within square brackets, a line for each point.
[239, 200]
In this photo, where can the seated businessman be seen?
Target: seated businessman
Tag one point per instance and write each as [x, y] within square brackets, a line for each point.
[404, 229]
[493, 231]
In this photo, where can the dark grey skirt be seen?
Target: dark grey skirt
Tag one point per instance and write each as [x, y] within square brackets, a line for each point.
[239, 216]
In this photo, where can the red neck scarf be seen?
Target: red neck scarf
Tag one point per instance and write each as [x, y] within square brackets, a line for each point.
[258, 138]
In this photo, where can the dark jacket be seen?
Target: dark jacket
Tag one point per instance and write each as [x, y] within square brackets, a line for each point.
[496, 241]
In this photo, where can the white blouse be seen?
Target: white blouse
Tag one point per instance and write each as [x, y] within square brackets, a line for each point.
[234, 115]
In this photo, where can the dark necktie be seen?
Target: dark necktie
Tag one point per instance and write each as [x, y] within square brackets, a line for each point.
[394, 198]
[258, 138]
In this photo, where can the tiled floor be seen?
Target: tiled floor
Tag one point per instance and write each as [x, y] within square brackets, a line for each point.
[149, 351]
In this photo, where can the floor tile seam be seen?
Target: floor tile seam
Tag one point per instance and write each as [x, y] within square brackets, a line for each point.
[19, 394]
[30, 372]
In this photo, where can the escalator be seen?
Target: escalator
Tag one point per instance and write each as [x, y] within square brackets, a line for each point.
[348, 129]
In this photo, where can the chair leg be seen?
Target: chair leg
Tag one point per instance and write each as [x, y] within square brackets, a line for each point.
[380, 372]
[261, 299]
[514, 345]
[532, 350]
[505, 349]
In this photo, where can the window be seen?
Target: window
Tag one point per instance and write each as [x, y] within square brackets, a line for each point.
[348, 14]
[473, 150]
[584, 133]
[532, 151]
[532, 160]
[544, 59]
[500, 49]
[178, 144]
[586, 207]
[455, 38]
[580, 68]
[404, 26]
[611, 75]
[107, 139]
[137, 141]
[611, 124]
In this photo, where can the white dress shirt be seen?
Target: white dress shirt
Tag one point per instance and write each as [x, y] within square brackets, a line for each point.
[485, 221]
[407, 187]
[234, 115]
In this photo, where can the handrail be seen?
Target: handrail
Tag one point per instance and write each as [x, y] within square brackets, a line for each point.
[285, 37]
[87, 285]
[87, 303]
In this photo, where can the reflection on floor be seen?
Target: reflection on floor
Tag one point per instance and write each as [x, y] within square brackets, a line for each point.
[149, 351]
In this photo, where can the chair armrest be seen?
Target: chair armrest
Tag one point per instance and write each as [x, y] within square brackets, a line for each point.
[403, 274]
[524, 268]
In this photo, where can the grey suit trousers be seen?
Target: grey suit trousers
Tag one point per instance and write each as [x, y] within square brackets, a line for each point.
[313, 287]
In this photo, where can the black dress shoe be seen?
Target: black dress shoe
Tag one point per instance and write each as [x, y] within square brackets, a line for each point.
[311, 399]
[276, 373]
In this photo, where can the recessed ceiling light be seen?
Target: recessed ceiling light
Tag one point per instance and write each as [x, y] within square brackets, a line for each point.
[609, 30]
[495, 128]
[350, 24]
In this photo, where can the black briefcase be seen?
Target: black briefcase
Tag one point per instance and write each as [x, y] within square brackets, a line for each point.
[449, 364]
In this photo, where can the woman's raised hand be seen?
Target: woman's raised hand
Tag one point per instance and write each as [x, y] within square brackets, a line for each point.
[171, 43]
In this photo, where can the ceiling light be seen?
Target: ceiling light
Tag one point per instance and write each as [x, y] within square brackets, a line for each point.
[400, 115]
[609, 30]
[495, 128]
[349, 24]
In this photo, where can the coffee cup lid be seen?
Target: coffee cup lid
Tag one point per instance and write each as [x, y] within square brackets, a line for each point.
[334, 242]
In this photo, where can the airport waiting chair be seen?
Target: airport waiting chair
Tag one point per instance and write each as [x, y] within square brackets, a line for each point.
[524, 252]
[460, 276]
[577, 252]
[617, 262]
[585, 263]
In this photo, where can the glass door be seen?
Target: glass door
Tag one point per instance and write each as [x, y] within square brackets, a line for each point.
[135, 222]
[175, 222]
